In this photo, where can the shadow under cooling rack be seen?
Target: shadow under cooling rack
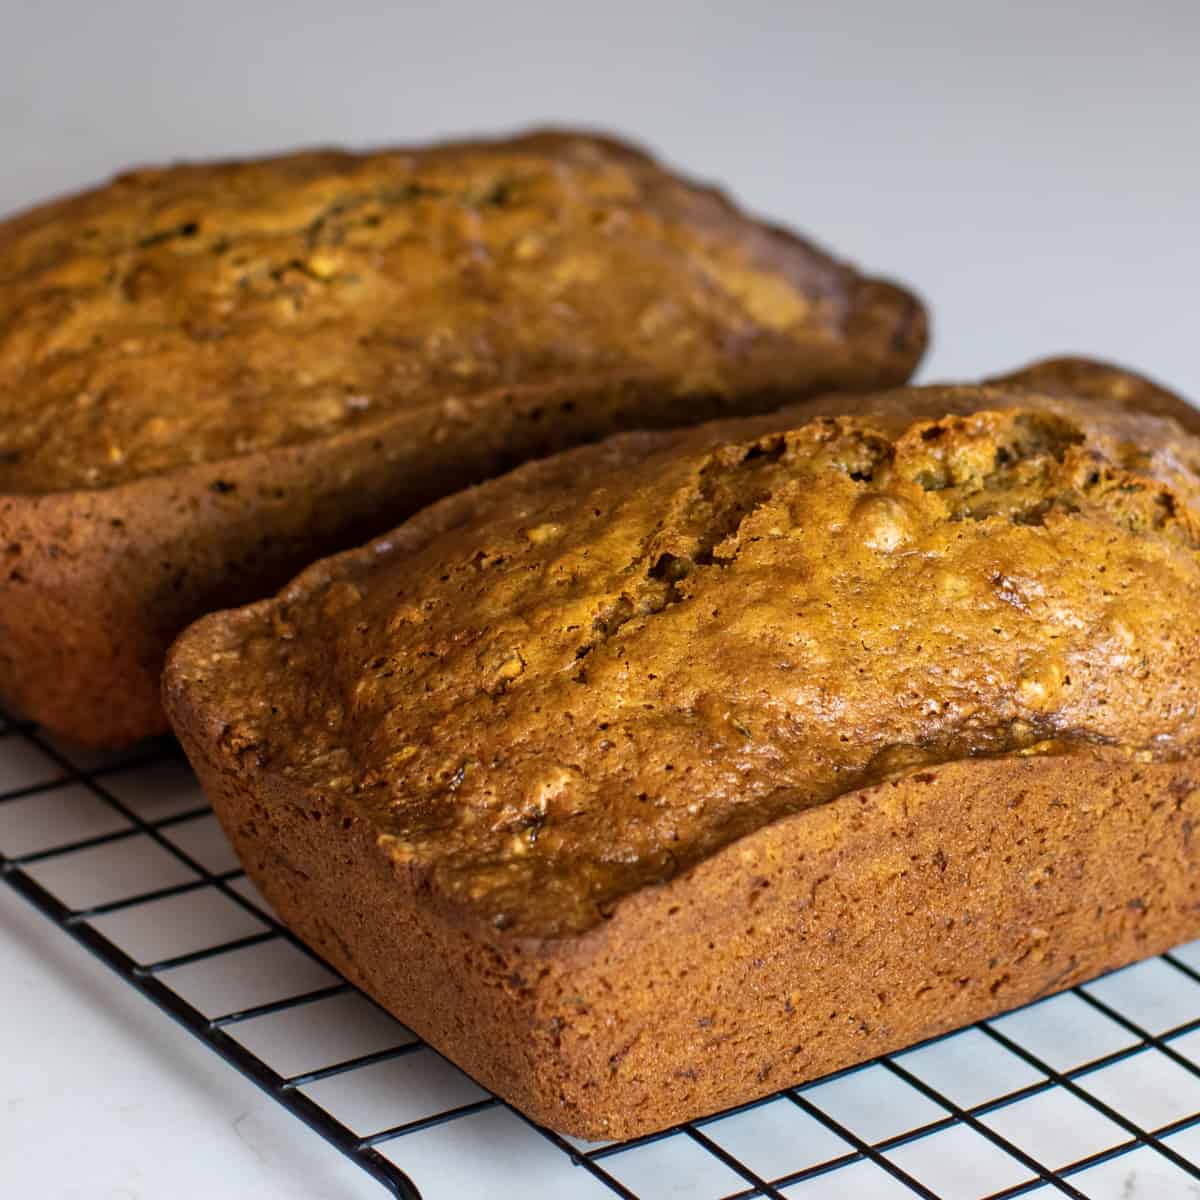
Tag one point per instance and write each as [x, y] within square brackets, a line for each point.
[1092, 1093]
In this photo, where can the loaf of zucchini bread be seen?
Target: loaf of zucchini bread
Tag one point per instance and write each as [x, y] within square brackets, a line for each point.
[666, 772]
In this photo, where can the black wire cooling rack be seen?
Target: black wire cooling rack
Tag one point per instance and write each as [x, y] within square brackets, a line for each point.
[1093, 1093]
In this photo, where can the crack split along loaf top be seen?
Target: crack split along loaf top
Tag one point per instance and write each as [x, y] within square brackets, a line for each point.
[582, 678]
[195, 313]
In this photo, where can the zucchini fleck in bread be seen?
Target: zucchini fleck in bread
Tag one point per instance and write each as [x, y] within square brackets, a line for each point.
[211, 375]
[666, 772]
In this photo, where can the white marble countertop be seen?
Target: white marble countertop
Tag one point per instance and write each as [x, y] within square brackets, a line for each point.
[1034, 174]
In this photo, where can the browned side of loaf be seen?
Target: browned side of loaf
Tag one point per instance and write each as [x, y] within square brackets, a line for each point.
[94, 585]
[887, 916]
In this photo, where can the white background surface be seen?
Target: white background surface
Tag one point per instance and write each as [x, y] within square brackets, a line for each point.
[1034, 170]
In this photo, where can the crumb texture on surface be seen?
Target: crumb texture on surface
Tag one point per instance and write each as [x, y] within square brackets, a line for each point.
[199, 312]
[590, 676]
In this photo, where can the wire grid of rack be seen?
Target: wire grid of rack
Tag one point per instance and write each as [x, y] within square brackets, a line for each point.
[1092, 1093]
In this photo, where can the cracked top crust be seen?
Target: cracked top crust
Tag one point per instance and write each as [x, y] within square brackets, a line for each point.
[585, 677]
[198, 312]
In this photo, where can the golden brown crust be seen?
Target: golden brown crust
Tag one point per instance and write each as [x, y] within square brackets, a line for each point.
[195, 313]
[1087, 379]
[857, 861]
[211, 375]
[633, 655]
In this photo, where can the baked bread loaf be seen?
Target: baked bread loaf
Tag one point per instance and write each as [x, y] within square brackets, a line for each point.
[211, 375]
[666, 772]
